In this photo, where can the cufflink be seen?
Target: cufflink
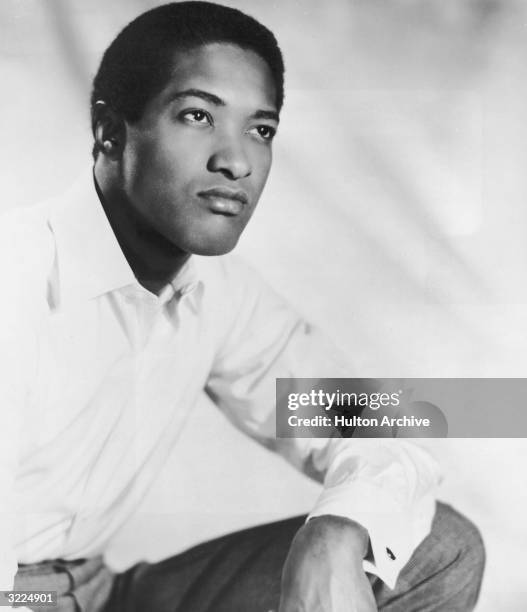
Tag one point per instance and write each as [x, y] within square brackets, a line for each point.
[390, 554]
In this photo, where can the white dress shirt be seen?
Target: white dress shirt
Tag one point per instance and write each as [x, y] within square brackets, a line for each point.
[99, 376]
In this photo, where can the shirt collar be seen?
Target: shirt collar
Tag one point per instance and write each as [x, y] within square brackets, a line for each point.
[90, 260]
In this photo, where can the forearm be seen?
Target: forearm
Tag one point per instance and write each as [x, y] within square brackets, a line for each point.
[324, 568]
[333, 529]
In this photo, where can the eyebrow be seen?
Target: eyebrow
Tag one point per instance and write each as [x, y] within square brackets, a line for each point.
[266, 114]
[198, 93]
[213, 99]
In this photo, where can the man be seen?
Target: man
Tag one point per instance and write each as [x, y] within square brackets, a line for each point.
[119, 317]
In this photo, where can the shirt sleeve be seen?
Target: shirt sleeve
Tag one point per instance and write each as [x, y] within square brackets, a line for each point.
[386, 485]
[10, 399]
[17, 353]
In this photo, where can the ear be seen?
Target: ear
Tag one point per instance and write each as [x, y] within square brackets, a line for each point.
[109, 130]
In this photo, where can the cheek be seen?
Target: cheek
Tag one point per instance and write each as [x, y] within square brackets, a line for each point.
[262, 166]
[157, 157]
[155, 167]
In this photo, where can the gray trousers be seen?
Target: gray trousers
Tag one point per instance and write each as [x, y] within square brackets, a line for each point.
[241, 573]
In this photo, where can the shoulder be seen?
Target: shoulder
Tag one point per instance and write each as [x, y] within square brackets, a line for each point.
[239, 302]
[230, 278]
[234, 292]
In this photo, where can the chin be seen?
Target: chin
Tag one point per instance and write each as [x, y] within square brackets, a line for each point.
[214, 247]
[213, 251]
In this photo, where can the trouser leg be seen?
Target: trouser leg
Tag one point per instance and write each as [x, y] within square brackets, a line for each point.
[241, 573]
[444, 574]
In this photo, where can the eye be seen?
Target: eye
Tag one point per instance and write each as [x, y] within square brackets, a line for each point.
[197, 116]
[265, 132]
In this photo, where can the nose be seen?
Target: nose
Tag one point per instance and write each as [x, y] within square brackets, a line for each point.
[230, 159]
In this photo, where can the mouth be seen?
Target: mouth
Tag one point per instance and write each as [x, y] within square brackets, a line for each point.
[225, 201]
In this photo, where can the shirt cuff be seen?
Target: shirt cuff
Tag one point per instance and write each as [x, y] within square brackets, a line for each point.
[394, 531]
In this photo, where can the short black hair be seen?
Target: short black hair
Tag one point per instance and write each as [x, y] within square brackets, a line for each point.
[138, 62]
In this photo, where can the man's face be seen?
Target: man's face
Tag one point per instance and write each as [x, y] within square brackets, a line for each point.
[196, 162]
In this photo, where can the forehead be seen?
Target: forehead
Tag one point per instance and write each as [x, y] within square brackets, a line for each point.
[238, 76]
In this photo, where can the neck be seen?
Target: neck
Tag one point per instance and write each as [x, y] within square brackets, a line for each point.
[154, 260]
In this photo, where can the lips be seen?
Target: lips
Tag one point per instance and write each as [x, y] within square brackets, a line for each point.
[225, 201]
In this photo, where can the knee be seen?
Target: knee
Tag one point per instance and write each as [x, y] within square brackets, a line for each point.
[466, 543]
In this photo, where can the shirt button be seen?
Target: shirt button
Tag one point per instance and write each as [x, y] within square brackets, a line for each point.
[390, 554]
